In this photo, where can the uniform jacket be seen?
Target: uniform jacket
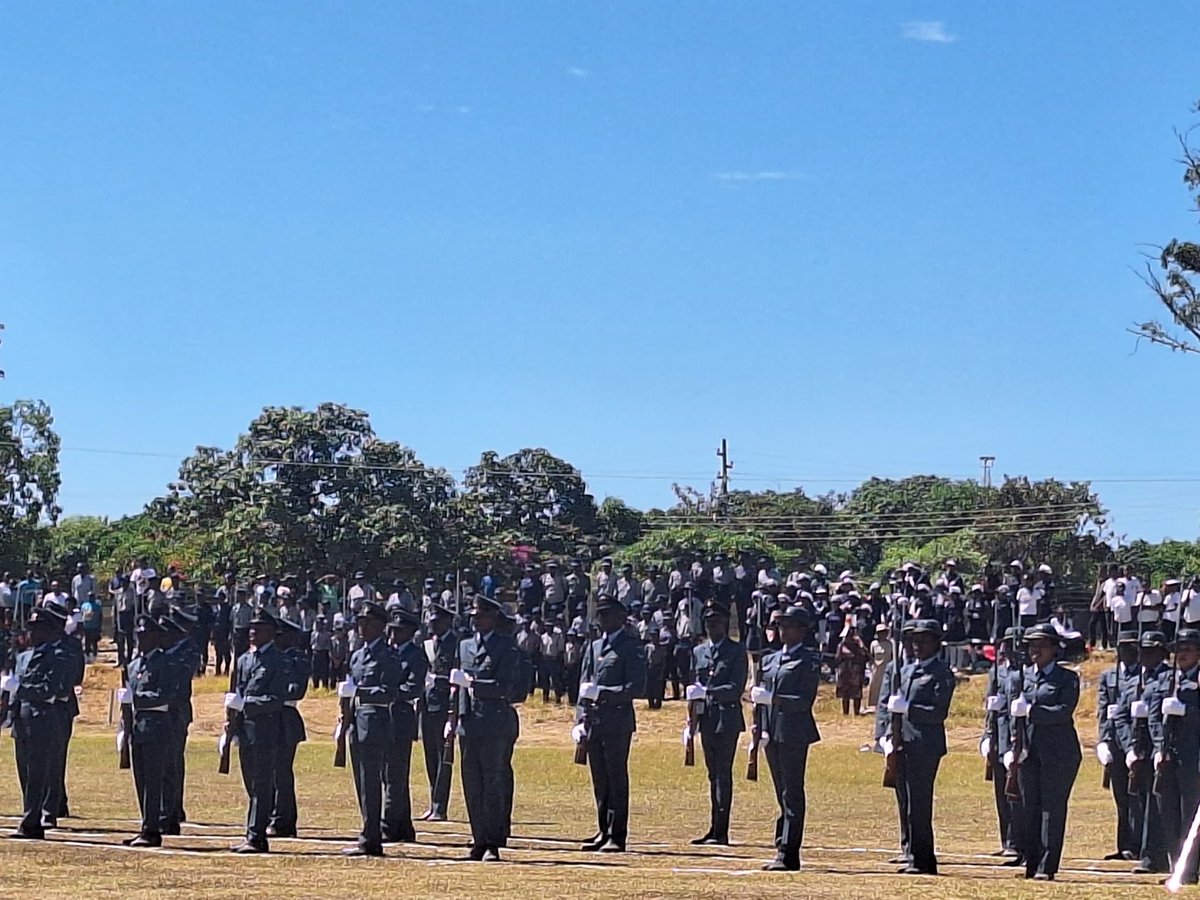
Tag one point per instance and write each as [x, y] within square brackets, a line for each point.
[262, 682]
[375, 669]
[299, 671]
[495, 664]
[1009, 683]
[441, 655]
[184, 657]
[617, 665]
[792, 676]
[47, 685]
[722, 669]
[1177, 736]
[1050, 729]
[153, 683]
[413, 666]
[928, 685]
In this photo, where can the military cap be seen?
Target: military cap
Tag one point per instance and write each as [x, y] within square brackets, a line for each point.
[1043, 631]
[357, 575]
[178, 619]
[627, 568]
[1187, 636]
[927, 626]
[263, 616]
[146, 624]
[1016, 564]
[909, 626]
[607, 561]
[575, 562]
[923, 588]
[952, 563]
[51, 613]
[430, 582]
[797, 614]
[402, 617]
[1044, 569]
[1171, 581]
[821, 589]
[288, 623]
[438, 609]
[1127, 637]
[449, 579]
[720, 557]
[1002, 589]
[484, 603]
[372, 610]
[1152, 639]
[716, 609]
[1013, 634]
[607, 603]
[875, 586]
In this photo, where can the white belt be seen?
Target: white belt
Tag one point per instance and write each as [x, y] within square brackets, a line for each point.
[164, 708]
[292, 703]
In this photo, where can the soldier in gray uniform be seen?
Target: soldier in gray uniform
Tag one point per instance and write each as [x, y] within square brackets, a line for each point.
[1175, 726]
[790, 679]
[922, 699]
[1002, 690]
[1153, 844]
[56, 801]
[374, 678]
[153, 690]
[1115, 733]
[290, 641]
[261, 686]
[441, 654]
[721, 672]
[397, 804]
[181, 653]
[39, 715]
[488, 679]
[612, 676]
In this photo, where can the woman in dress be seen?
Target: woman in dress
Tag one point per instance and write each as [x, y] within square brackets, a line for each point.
[851, 661]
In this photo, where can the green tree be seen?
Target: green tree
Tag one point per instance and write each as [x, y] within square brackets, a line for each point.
[619, 525]
[29, 477]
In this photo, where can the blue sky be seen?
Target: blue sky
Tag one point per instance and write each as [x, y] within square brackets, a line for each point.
[621, 231]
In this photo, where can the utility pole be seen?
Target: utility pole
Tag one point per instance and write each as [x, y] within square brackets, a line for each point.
[723, 476]
[986, 463]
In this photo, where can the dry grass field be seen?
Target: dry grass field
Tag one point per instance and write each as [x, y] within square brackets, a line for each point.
[851, 831]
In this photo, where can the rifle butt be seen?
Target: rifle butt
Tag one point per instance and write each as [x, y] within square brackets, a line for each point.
[689, 753]
[752, 766]
[581, 753]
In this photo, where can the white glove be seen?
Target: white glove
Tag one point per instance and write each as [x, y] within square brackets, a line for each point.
[994, 704]
[764, 739]
[222, 741]
[1139, 709]
[885, 744]
[1008, 759]
[1173, 706]
[1130, 759]
[1019, 708]
[1158, 758]
[589, 691]
[78, 691]
[337, 730]
[10, 684]
[72, 624]
[124, 696]
[761, 696]
[897, 704]
[696, 692]
[985, 747]
[578, 733]
[687, 733]
[347, 689]
[235, 702]
[460, 678]
[430, 680]
[1104, 753]
[120, 740]
[1114, 711]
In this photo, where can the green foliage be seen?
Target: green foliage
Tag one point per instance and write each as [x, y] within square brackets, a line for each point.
[664, 546]
[961, 546]
[29, 479]
[619, 525]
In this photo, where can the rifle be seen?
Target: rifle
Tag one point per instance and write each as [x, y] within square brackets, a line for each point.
[892, 763]
[993, 718]
[581, 746]
[1141, 736]
[344, 723]
[1168, 756]
[756, 723]
[124, 758]
[693, 723]
[446, 766]
[1012, 782]
[231, 717]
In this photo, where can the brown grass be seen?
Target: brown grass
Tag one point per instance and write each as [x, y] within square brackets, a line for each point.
[851, 827]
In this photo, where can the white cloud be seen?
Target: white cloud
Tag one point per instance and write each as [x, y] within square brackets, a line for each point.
[776, 175]
[929, 32]
[578, 72]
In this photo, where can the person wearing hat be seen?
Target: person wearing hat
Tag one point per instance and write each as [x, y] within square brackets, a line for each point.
[397, 804]
[612, 676]
[1004, 685]
[441, 656]
[1152, 658]
[1046, 711]
[554, 591]
[1175, 725]
[372, 684]
[152, 689]
[1172, 592]
[1114, 693]
[289, 640]
[240, 615]
[182, 655]
[579, 589]
[922, 702]
[360, 592]
[56, 800]
[487, 679]
[951, 576]
[721, 672]
[38, 694]
[783, 707]
[529, 591]
[261, 682]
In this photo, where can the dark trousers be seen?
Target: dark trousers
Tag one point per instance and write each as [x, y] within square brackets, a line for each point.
[483, 762]
[1008, 812]
[719, 753]
[241, 642]
[608, 758]
[37, 747]
[397, 804]
[368, 762]
[788, 764]
[203, 637]
[149, 763]
[433, 725]
[320, 669]
[1177, 795]
[1045, 790]
[283, 815]
[550, 677]
[1153, 843]
[123, 636]
[223, 653]
[656, 686]
[1128, 841]
[257, 760]
[1098, 630]
[173, 775]
[510, 785]
[571, 677]
[915, 777]
[56, 799]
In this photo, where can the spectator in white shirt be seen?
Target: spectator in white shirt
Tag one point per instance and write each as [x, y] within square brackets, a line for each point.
[1028, 596]
[1149, 607]
[1171, 597]
[359, 591]
[1189, 603]
[1122, 609]
[56, 595]
[83, 585]
[7, 595]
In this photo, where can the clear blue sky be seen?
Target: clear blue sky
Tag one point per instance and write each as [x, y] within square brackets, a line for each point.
[617, 230]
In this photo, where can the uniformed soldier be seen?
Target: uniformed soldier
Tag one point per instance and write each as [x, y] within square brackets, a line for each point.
[397, 805]
[441, 654]
[488, 678]
[289, 640]
[923, 701]
[1047, 708]
[507, 626]
[1175, 726]
[183, 655]
[612, 676]
[263, 676]
[39, 715]
[1004, 687]
[721, 672]
[1115, 733]
[1153, 654]
[153, 688]
[373, 683]
[790, 678]
[56, 801]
